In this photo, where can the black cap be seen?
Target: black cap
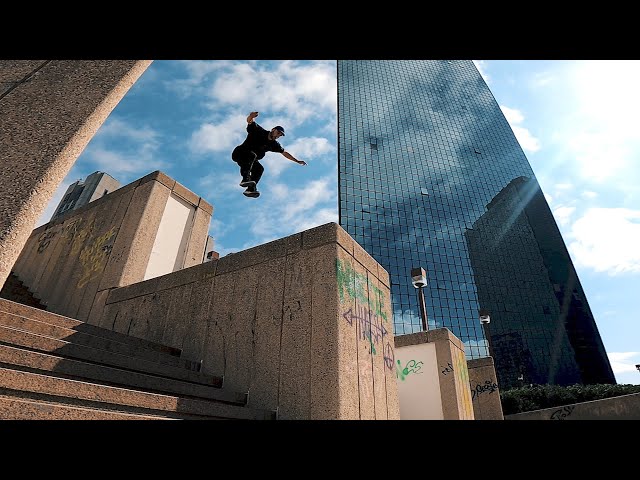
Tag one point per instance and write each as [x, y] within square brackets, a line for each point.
[280, 129]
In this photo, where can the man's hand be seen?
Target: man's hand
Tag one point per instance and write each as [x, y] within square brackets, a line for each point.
[251, 116]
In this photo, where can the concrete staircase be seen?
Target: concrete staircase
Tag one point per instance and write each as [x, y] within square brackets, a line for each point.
[16, 291]
[54, 367]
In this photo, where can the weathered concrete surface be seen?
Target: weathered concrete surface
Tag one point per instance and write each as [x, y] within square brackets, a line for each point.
[485, 394]
[73, 261]
[49, 111]
[624, 407]
[454, 375]
[303, 324]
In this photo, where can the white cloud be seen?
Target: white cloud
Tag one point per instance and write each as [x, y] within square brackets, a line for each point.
[512, 115]
[294, 90]
[542, 79]
[623, 361]
[607, 239]
[289, 211]
[115, 127]
[220, 137]
[526, 140]
[588, 194]
[601, 132]
[480, 65]
[123, 167]
[563, 214]
[305, 149]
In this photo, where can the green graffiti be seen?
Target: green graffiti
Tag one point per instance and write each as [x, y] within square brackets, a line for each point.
[357, 286]
[411, 367]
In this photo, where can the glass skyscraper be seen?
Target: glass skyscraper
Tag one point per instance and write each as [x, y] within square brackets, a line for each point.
[432, 176]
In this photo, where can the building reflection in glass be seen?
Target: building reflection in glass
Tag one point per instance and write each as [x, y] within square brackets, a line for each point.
[423, 149]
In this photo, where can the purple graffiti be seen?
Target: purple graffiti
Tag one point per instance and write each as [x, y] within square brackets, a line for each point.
[370, 324]
[389, 358]
[370, 327]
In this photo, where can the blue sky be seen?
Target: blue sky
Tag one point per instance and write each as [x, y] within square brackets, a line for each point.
[575, 120]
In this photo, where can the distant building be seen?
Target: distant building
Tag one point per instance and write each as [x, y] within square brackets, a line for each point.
[79, 193]
[432, 176]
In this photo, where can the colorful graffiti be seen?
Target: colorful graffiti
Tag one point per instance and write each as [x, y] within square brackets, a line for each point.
[359, 287]
[411, 367]
[367, 314]
[93, 257]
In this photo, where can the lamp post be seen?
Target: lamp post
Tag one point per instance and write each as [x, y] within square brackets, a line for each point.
[419, 280]
[485, 319]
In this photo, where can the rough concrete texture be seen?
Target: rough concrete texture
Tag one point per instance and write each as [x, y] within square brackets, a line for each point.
[454, 375]
[298, 323]
[72, 262]
[624, 407]
[485, 394]
[49, 111]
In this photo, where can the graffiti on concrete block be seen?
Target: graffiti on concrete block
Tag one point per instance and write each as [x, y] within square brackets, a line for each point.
[411, 367]
[45, 239]
[357, 286]
[447, 369]
[389, 356]
[488, 387]
[76, 235]
[562, 413]
[93, 257]
[369, 327]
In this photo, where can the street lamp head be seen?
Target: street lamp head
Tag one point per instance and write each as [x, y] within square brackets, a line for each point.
[484, 316]
[418, 277]
[638, 367]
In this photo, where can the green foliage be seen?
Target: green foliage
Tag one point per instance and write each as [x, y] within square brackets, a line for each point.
[536, 397]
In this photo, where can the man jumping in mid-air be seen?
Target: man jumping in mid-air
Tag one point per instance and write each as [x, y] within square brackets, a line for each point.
[258, 142]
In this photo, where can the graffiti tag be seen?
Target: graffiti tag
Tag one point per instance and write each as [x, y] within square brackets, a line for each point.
[359, 287]
[487, 387]
[411, 367]
[562, 413]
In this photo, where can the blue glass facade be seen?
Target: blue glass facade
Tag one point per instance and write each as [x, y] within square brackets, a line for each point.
[432, 176]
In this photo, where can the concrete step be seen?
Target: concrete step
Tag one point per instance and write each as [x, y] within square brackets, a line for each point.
[41, 387]
[18, 358]
[98, 342]
[16, 291]
[66, 322]
[15, 337]
[12, 408]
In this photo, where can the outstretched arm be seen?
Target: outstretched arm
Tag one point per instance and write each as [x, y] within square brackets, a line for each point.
[293, 159]
[251, 116]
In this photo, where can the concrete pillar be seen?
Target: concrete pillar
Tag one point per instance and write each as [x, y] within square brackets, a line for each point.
[49, 111]
[485, 395]
[444, 366]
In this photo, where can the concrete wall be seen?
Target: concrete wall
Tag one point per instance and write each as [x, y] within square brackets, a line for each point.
[72, 262]
[418, 376]
[49, 110]
[624, 407]
[302, 323]
[451, 364]
[485, 394]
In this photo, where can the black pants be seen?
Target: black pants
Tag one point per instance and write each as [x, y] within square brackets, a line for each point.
[250, 167]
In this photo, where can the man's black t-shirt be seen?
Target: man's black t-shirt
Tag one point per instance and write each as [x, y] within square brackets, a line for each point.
[258, 141]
